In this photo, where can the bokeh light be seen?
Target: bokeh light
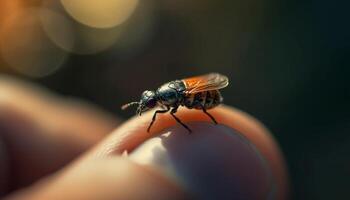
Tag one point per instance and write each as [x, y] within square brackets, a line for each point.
[24, 46]
[58, 28]
[75, 37]
[138, 31]
[100, 13]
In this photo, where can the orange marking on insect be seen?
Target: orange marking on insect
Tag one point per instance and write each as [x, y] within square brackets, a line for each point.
[213, 81]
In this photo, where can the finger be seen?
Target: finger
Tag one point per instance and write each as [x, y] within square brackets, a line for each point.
[104, 178]
[215, 162]
[52, 111]
[187, 162]
[40, 132]
[133, 133]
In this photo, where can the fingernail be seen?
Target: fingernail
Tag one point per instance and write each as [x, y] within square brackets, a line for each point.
[213, 162]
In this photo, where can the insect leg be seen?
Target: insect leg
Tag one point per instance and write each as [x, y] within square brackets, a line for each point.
[211, 117]
[172, 112]
[154, 117]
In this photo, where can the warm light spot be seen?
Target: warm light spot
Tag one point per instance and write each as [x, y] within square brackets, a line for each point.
[73, 36]
[100, 13]
[76, 38]
[7, 7]
[25, 48]
[58, 28]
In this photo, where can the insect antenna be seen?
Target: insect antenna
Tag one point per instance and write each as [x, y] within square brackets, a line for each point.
[125, 106]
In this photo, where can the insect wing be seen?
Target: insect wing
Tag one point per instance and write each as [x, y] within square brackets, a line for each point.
[213, 81]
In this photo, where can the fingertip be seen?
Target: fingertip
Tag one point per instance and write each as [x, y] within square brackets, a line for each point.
[215, 162]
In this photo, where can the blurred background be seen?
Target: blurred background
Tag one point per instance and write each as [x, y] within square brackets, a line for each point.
[287, 60]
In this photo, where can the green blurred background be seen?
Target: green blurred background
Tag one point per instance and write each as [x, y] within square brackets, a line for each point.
[288, 63]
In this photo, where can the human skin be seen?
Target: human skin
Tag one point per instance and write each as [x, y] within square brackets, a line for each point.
[54, 148]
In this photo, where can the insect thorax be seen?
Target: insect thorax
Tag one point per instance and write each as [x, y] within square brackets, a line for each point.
[171, 93]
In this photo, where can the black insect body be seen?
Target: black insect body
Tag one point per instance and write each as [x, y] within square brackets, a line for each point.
[200, 92]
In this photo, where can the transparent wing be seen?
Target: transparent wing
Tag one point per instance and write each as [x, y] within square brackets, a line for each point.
[212, 81]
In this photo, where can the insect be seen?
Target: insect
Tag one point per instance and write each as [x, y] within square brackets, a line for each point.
[199, 92]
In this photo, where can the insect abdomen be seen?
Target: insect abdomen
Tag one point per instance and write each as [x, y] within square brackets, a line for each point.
[208, 99]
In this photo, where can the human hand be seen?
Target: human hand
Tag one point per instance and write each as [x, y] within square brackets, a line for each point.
[42, 138]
